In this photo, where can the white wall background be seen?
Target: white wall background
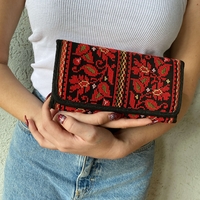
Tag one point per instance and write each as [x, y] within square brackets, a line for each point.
[177, 163]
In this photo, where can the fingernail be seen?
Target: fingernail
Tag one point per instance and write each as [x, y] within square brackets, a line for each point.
[48, 96]
[153, 122]
[61, 118]
[114, 116]
[26, 121]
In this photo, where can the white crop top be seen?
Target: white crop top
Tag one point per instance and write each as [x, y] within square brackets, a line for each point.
[145, 26]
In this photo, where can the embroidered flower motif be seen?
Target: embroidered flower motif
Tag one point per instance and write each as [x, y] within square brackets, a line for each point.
[94, 86]
[105, 78]
[144, 69]
[104, 89]
[148, 90]
[145, 80]
[136, 96]
[161, 92]
[164, 70]
[106, 102]
[84, 52]
[106, 54]
[92, 79]
[157, 92]
[84, 83]
[153, 70]
[138, 86]
[79, 84]
[151, 104]
[82, 49]
[104, 50]
[140, 66]
[90, 70]
[77, 61]
[101, 92]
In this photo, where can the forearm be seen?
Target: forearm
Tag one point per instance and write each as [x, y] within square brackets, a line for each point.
[140, 136]
[187, 48]
[15, 98]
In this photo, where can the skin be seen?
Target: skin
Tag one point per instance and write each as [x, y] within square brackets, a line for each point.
[86, 134]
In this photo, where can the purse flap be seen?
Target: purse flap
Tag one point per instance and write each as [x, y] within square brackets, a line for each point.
[98, 78]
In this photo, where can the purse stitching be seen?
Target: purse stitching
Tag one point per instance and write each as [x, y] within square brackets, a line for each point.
[121, 79]
[170, 117]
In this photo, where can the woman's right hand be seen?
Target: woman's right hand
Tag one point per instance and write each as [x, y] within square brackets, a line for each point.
[83, 135]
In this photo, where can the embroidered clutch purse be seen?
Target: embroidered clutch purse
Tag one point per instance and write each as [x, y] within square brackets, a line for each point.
[90, 78]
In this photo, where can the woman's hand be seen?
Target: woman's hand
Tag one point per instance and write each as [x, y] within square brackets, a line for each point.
[81, 134]
[75, 137]
[107, 119]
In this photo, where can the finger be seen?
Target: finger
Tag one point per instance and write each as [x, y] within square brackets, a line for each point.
[56, 140]
[46, 111]
[38, 137]
[84, 131]
[107, 119]
[98, 118]
[53, 113]
[114, 120]
[50, 129]
[127, 123]
[49, 124]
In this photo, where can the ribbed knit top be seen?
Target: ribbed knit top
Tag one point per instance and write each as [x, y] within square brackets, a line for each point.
[145, 26]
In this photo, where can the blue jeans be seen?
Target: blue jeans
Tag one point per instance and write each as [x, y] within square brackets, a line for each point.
[35, 173]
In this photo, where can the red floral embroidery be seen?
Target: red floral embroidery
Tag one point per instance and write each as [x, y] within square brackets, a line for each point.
[151, 104]
[84, 52]
[138, 86]
[91, 77]
[80, 84]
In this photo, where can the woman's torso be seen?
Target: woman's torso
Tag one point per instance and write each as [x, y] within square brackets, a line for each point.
[147, 26]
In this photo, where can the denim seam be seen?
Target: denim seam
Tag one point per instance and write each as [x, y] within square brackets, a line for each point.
[23, 126]
[77, 194]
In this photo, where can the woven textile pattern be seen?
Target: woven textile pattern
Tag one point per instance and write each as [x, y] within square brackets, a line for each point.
[90, 78]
